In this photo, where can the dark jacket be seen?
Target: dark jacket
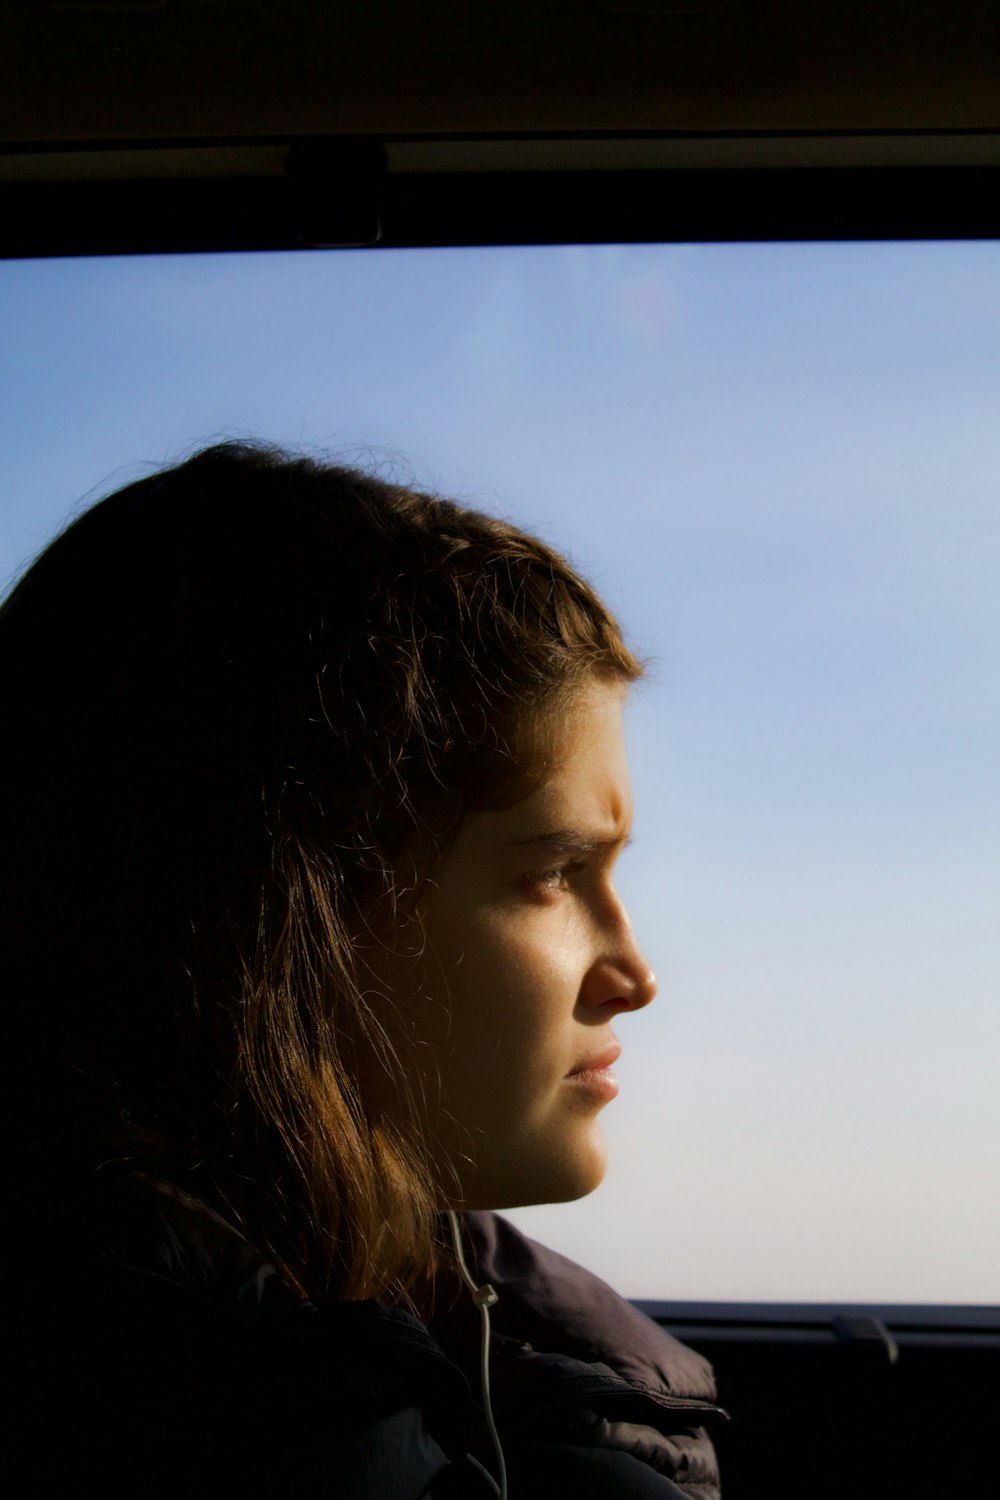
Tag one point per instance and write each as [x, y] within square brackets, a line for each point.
[168, 1358]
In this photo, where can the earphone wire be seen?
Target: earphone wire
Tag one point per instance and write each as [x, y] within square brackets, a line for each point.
[484, 1297]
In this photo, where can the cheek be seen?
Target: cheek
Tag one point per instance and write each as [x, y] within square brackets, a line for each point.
[513, 997]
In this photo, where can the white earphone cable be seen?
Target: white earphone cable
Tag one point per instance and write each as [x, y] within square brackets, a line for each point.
[484, 1297]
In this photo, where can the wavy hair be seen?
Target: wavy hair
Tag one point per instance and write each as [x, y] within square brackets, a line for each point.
[248, 704]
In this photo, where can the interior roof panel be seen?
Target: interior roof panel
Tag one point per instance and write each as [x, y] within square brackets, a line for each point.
[129, 126]
[84, 70]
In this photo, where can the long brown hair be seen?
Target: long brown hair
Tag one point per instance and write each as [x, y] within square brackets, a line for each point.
[247, 705]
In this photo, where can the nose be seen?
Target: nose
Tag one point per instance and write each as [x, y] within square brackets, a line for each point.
[620, 978]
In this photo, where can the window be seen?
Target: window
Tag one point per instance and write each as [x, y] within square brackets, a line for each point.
[779, 465]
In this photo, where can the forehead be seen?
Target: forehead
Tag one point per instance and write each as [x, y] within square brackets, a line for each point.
[582, 777]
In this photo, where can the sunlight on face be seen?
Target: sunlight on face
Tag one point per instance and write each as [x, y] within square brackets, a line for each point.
[530, 956]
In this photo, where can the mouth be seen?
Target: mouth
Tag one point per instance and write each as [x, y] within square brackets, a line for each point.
[600, 1063]
[595, 1075]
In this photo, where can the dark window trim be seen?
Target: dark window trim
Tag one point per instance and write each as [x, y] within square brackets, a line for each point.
[283, 194]
[707, 1323]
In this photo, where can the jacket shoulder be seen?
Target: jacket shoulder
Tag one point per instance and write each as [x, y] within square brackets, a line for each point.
[589, 1390]
[574, 1312]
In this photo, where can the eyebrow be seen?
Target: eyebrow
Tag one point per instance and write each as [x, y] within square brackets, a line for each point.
[569, 839]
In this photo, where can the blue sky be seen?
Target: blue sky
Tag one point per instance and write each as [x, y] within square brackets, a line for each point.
[779, 464]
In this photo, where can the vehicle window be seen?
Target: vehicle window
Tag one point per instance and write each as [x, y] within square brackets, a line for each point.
[779, 464]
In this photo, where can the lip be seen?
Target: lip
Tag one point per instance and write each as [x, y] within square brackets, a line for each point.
[595, 1076]
[599, 1064]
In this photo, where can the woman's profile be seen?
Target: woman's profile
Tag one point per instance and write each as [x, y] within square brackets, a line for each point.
[312, 791]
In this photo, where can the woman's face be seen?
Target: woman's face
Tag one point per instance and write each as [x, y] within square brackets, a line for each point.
[529, 958]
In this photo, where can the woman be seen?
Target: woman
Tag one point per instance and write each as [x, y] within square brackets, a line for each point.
[312, 792]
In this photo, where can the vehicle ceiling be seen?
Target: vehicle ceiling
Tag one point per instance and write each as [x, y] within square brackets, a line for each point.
[217, 90]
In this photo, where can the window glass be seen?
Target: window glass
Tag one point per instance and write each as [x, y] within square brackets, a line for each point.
[779, 464]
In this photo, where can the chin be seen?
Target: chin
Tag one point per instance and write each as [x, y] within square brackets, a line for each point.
[583, 1182]
[549, 1177]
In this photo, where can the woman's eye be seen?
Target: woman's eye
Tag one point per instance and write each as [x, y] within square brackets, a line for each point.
[557, 877]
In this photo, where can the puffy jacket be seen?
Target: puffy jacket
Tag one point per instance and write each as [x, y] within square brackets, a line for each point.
[170, 1359]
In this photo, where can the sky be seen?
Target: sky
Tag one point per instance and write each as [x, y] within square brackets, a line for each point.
[779, 465]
